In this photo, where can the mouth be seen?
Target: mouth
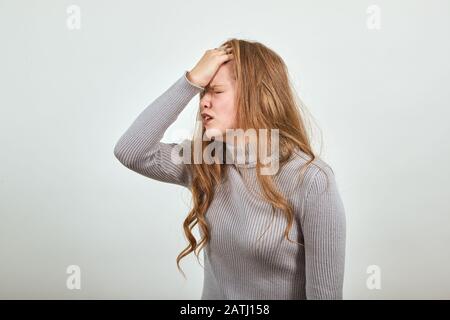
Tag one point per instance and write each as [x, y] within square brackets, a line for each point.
[207, 119]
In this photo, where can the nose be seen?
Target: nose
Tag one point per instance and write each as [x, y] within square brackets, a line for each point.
[206, 106]
[205, 102]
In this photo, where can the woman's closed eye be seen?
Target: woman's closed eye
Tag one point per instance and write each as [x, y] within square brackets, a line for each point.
[202, 94]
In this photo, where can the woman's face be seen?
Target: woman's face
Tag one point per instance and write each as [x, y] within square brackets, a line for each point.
[218, 101]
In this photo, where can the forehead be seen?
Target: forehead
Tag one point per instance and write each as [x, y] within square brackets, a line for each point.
[222, 77]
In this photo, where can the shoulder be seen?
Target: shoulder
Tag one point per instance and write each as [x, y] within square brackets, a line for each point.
[318, 195]
[316, 176]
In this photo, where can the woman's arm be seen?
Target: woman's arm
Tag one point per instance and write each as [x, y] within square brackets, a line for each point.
[140, 149]
[324, 231]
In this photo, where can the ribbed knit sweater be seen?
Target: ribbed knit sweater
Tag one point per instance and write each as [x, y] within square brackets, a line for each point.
[236, 265]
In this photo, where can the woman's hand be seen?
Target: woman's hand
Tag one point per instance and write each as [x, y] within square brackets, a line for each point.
[206, 68]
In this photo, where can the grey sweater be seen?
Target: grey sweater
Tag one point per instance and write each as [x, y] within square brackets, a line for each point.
[236, 266]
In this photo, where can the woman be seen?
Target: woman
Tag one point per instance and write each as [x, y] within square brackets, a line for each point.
[266, 236]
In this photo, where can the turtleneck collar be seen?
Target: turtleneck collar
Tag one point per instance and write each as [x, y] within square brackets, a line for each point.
[244, 156]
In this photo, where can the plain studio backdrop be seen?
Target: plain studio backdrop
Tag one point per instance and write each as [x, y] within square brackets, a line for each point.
[374, 74]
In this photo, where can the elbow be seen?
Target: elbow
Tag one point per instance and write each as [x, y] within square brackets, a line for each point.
[122, 156]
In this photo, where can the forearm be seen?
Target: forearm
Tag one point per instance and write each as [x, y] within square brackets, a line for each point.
[149, 127]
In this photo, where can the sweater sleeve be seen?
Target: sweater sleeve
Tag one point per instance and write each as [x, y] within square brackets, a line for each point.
[324, 231]
[140, 148]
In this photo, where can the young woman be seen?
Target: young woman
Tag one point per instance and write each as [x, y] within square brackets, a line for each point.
[266, 236]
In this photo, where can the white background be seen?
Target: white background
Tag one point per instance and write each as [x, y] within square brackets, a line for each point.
[380, 97]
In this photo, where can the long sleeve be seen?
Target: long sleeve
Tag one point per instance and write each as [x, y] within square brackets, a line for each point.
[324, 231]
[140, 148]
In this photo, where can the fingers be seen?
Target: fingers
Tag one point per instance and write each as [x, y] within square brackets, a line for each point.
[226, 48]
[226, 51]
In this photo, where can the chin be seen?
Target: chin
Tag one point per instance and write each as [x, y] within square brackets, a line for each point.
[213, 132]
